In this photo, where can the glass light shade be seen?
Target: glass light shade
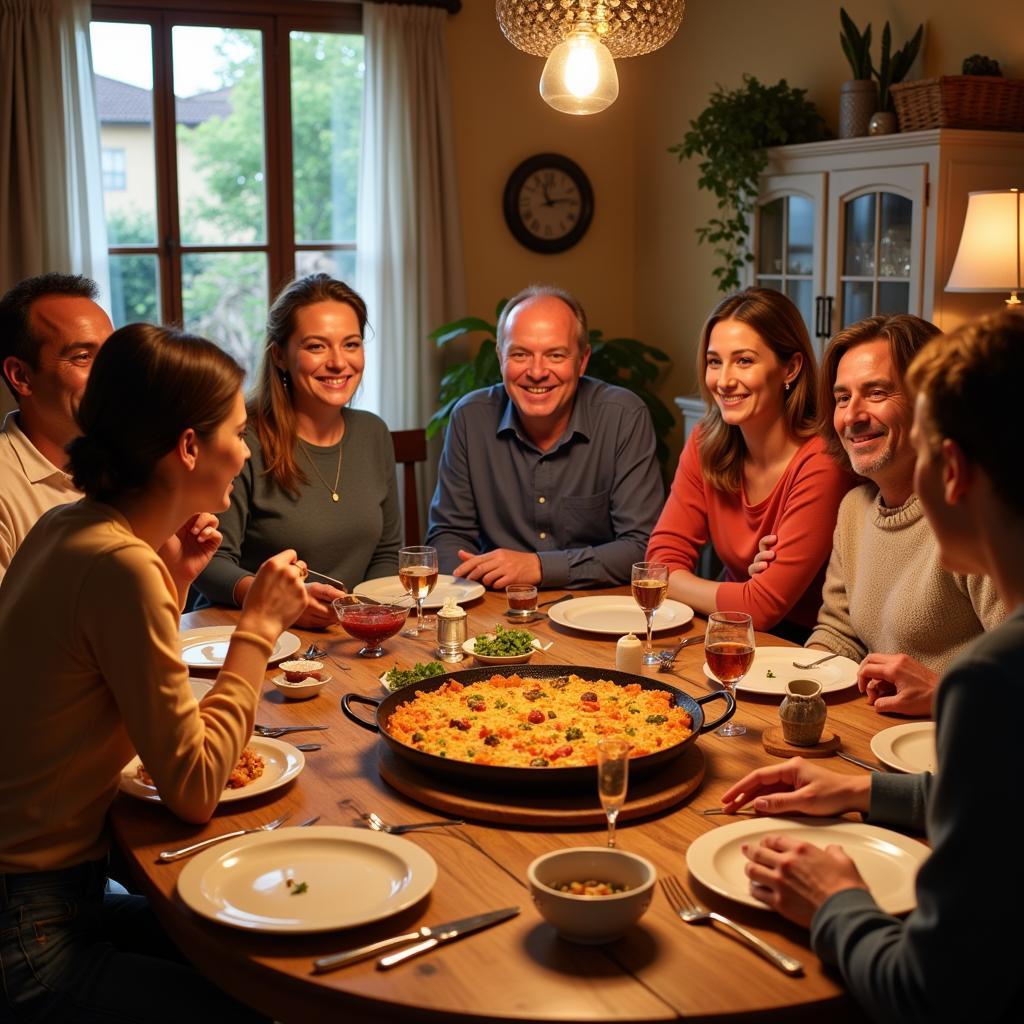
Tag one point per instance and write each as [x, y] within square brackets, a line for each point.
[990, 255]
[580, 77]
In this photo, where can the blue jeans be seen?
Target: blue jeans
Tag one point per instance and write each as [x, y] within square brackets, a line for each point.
[69, 952]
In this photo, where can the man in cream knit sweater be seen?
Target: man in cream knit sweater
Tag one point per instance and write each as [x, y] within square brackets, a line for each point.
[887, 601]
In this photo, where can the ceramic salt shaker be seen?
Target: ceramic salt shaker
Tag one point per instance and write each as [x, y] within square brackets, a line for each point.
[628, 654]
[451, 631]
[803, 712]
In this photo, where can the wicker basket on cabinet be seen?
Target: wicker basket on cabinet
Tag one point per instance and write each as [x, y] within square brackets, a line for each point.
[960, 101]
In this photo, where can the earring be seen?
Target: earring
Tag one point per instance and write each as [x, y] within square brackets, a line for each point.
[286, 379]
[787, 385]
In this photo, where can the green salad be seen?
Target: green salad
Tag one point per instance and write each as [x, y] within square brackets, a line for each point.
[396, 678]
[505, 643]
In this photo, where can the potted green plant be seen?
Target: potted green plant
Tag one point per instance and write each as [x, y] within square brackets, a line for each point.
[892, 68]
[858, 98]
[623, 361]
[731, 135]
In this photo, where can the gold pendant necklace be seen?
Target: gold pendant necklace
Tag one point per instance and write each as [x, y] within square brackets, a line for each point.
[337, 475]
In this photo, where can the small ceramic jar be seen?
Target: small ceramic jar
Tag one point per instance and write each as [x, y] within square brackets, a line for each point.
[803, 712]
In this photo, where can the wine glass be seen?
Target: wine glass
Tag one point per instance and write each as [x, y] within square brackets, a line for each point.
[729, 648]
[612, 779]
[417, 569]
[650, 585]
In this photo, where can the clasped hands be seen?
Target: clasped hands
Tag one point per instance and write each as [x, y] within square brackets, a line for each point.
[792, 876]
[500, 568]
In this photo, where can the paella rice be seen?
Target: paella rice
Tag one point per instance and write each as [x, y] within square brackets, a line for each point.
[514, 722]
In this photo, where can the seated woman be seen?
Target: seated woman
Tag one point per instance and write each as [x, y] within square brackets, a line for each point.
[951, 959]
[89, 629]
[754, 466]
[322, 476]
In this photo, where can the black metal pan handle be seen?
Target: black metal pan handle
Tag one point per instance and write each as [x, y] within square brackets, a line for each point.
[730, 708]
[357, 698]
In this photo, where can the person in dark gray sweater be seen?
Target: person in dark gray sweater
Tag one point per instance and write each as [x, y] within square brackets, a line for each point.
[322, 476]
[952, 959]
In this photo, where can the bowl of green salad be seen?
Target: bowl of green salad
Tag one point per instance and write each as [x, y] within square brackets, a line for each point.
[503, 646]
[398, 678]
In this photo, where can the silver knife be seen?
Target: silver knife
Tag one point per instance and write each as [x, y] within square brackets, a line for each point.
[857, 761]
[435, 935]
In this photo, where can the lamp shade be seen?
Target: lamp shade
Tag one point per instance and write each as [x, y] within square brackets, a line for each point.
[990, 253]
[579, 76]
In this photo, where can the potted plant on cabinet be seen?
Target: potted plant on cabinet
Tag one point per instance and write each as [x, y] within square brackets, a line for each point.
[858, 98]
[892, 68]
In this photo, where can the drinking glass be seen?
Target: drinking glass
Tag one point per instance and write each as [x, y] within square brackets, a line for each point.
[612, 779]
[650, 585]
[417, 569]
[729, 648]
[522, 600]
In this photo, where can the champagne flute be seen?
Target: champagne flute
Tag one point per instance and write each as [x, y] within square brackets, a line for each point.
[650, 585]
[729, 648]
[612, 779]
[417, 569]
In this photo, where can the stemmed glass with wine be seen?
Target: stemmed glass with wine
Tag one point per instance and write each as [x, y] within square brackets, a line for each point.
[612, 779]
[729, 649]
[650, 585]
[417, 570]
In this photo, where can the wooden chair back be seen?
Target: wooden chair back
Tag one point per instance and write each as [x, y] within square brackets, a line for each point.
[410, 448]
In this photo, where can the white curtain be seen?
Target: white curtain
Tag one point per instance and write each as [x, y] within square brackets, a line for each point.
[51, 189]
[409, 245]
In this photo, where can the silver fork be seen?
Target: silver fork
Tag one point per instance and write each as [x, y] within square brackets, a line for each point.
[379, 825]
[815, 664]
[169, 855]
[693, 913]
[667, 658]
[274, 731]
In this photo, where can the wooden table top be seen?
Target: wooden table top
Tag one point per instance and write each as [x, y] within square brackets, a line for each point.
[662, 969]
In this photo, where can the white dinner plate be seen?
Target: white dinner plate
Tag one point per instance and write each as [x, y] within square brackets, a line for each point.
[837, 674]
[207, 646]
[281, 763]
[352, 876]
[389, 589]
[887, 860]
[907, 748]
[617, 615]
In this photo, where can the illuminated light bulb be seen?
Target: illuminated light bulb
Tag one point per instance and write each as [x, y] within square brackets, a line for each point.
[579, 77]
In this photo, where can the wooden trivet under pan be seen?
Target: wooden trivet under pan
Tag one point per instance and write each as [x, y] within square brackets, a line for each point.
[775, 743]
[673, 784]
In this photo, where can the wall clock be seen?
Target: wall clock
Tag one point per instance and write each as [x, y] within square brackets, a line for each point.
[548, 203]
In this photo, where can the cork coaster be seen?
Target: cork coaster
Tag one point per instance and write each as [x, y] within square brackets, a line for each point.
[775, 743]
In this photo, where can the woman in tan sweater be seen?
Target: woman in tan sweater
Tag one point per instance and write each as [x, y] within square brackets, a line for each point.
[89, 629]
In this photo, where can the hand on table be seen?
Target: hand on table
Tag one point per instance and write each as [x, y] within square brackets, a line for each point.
[765, 554]
[188, 550]
[795, 877]
[500, 568]
[798, 785]
[318, 613]
[896, 682]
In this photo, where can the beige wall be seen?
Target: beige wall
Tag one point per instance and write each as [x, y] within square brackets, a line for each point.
[640, 270]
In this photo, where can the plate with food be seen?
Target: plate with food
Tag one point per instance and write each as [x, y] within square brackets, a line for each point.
[388, 589]
[617, 615]
[207, 646]
[265, 765]
[772, 668]
[296, 880]
[396, 678]
[907, 748]
[503, 646]
[534, 726]
[887, 860]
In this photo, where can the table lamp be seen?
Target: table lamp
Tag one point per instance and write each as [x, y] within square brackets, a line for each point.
[990, 254]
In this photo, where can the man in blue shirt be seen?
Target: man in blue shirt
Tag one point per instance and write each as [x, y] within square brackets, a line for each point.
[549, 477]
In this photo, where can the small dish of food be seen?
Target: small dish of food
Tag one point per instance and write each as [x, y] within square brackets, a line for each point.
[503, 646]
[591, 894]
[397, 678]
[301, 683]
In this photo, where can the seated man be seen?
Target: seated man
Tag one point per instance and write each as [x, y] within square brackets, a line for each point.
[50, 332]
[887, 600]
[550, 477]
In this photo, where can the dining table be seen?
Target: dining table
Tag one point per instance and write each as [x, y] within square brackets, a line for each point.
[661, 969]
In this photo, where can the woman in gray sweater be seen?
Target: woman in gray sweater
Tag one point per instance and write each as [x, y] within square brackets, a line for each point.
[322, 476]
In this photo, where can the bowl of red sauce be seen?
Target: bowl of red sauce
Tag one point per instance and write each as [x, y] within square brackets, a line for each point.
[371, 623]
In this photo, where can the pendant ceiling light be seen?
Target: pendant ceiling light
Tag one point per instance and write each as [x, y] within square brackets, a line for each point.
[580, 38]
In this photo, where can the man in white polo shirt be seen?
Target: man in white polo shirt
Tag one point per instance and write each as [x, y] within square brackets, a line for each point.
[50, 331]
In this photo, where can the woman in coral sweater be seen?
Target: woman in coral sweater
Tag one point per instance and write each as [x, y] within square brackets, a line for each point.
[754, 468]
